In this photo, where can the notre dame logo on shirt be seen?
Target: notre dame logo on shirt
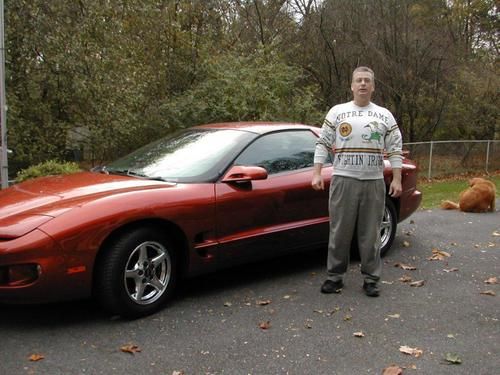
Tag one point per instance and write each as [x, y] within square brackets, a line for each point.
[345, 129]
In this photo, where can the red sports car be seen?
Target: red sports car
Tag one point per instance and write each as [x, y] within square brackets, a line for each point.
[200, 199]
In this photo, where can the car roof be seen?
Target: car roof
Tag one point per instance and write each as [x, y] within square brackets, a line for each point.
[260, 127]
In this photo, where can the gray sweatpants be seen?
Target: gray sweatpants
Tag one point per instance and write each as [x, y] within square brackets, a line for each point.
[355, 203]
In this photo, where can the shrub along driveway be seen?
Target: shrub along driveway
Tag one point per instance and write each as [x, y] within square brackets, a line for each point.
[270, 318]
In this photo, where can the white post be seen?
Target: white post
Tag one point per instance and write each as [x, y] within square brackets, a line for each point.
[4, 169]
[487, 155]
[430, 162]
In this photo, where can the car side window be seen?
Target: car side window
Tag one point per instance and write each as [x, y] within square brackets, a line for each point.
[281, 151]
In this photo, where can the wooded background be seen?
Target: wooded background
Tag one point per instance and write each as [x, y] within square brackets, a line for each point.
[107, 76]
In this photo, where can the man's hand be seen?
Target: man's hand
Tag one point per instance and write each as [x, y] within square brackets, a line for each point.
[317, 182]
[395, 189]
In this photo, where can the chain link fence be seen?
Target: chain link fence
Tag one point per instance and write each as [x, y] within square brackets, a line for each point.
[445, 158]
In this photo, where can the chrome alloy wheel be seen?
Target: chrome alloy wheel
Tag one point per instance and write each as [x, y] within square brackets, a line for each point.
[386, 228]
[147, 273]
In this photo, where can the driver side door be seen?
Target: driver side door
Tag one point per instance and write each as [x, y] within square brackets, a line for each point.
[262, 218]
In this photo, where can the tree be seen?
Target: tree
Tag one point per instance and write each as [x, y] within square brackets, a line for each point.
[121, 73]
[257, 87]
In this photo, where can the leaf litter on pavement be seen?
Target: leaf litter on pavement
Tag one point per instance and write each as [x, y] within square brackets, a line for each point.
[452, 359]
[406, 267]
[265, 325]
[392, 370]
[415, 352]
[488, 293]
[491, 280]
[130, 348]
[438, 255]
[417, 283]
[36, 357]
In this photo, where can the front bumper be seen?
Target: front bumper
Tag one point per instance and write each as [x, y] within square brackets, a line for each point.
[53, 281]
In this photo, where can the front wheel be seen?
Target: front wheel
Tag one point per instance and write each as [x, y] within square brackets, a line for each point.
[388, 226]
[136, 274]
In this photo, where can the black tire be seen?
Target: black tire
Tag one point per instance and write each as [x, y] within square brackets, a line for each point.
[388, 227]
[136, 274]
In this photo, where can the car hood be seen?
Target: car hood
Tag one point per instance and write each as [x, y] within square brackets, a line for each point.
[26, 206]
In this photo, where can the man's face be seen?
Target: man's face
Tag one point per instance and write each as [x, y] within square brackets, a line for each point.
[362, 86]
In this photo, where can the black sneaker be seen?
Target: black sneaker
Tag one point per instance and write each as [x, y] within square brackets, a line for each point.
[371, 289]
[330, 286]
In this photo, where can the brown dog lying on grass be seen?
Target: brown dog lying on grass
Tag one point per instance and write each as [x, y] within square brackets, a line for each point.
[480, 197]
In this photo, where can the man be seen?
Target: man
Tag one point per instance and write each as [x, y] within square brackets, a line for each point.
[358, 132]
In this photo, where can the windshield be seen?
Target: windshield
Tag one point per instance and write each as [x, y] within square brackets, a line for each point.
[194, 155]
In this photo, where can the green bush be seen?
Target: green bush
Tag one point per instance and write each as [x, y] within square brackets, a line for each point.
[48, 168]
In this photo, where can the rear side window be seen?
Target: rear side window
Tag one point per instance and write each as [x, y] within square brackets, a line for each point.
[281, 151]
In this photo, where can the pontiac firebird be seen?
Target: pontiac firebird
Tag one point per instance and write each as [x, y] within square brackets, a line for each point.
[198, 200]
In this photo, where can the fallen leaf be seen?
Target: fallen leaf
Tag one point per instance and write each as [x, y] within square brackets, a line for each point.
[405, 279]
[228, 304]
[405, 267]
[359, 334]
[441, 252]
[416, 352]
[36, 357]
[265, 325]
[130, 348]
[178, 372]
[438, 255]
[392, 370]
[286, 297]
[488, 293]
[453, 358]
[418, 283]
[335, 310]
[491, 280]
[347, 317]
[263, 302]
[496, 234]
[450, 269]
[406, 244]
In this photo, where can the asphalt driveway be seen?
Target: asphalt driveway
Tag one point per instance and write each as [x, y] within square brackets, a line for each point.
[270, 318]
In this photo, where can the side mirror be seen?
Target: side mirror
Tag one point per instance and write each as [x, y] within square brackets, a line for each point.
[240, 173]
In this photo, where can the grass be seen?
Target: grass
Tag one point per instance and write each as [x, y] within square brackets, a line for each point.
[434, 192]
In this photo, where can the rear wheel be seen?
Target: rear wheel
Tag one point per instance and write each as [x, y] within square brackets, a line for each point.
[136, 274]
[388, 227]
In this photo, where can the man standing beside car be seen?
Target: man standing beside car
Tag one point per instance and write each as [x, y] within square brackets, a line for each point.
[358, 132]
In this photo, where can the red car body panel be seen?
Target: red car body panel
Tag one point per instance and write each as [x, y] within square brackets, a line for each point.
[281, 212]
[61, 223]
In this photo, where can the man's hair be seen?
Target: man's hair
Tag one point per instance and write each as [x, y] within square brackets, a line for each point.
[363, 69]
